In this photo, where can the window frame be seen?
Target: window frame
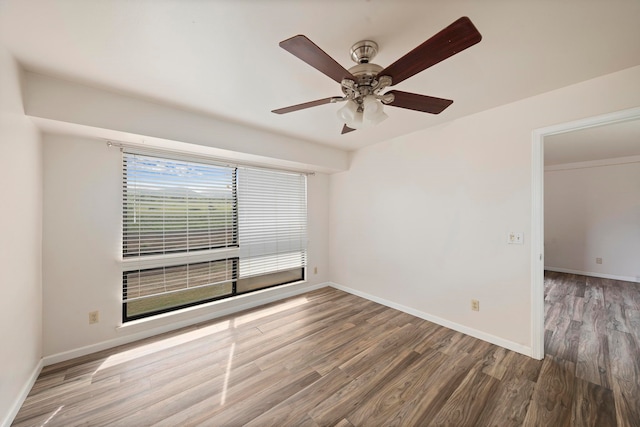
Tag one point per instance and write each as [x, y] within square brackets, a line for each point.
[144, 262]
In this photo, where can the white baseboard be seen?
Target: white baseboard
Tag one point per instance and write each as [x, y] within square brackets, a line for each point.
[22, 396]
[275, 295]
[591, 274]
[509, 345]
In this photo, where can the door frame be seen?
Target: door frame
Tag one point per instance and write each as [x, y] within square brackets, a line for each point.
[537, 212]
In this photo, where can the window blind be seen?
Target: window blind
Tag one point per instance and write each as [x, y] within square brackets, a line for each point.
[272, 217]
[172, 206]
[155, 290]
[196, 232]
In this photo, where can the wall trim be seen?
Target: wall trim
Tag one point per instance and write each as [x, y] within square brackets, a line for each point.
[22, 396]
[592, 274]
[537, 246]
[509, 345]
[126, 339]
[593, 163]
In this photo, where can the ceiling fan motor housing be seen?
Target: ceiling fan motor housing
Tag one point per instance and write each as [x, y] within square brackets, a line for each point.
[364, 51]
[365, 72]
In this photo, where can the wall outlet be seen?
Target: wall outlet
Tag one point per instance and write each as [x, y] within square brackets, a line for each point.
[598, 260]
[515, 238]
[315, 270]
[94, 317]
[475, 305]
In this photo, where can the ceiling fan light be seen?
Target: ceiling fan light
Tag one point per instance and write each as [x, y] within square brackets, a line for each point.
[373, 111]
[357, 122]
[376, 119]
[348, 113]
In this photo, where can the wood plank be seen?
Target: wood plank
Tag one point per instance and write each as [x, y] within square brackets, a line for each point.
[390, 397]
[625, 371]
[432, 395]
[553, 394]
[595, 316]
[342, 403]
[617, 317]
[467, 402]
[492, 362]
[258, 402]
[326, 362]
[388, 345]
[519, 367]
[564, 342]
[633, 317]
[553, 316]
[518, 392]
[631, 291]
[593, 358]
[39, 408]
[220, 398]
[291, 412]
[173, 403]
[593, 405]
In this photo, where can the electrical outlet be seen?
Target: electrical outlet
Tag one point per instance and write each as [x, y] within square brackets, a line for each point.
[598, 260]
[315, 270]
[94, 317]
[475, 305]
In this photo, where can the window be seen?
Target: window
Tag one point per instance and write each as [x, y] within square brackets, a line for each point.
[273, 228]
[197, 232]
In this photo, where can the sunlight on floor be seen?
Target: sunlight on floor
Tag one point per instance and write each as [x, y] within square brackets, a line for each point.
[52, 415]
[164, 344]
[241, 320]
[223, 398]
[186, 337]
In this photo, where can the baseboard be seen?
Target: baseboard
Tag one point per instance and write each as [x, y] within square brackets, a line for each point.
[591, 274]
[22, 396]
[509, 345]
[129, 338]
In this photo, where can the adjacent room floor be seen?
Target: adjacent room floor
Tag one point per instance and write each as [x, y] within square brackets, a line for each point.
[331, 358]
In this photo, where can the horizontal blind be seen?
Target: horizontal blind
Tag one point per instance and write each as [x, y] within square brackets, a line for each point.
[174, 206]
[157, 290]
[141, 284]
[272, 221]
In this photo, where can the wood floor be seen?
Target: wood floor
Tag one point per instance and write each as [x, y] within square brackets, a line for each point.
[592, 330]
[329, 358]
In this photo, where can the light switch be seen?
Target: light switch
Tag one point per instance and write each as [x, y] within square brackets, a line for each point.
[515, 238]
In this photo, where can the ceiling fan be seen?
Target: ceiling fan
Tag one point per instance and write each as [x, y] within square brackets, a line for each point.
[362, 85]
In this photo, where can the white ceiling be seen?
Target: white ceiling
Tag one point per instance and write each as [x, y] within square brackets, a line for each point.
[222, 57]
[596, 143]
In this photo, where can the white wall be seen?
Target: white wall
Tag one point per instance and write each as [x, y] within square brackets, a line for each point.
[421, 221]
[590, 213]
[20, 244]
[62, 101]
[82, 246]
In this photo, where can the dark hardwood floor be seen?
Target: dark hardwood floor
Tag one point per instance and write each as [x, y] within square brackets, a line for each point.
[328, 358]
[592, 330]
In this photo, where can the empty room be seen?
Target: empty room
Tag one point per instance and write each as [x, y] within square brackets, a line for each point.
[319, 213]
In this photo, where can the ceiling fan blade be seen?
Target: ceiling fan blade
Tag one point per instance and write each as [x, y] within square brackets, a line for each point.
[346, 129]
[453, 39]
[306, 105]
[423, 103]
[306, 50]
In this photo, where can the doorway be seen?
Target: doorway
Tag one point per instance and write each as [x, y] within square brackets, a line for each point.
[537, 231]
